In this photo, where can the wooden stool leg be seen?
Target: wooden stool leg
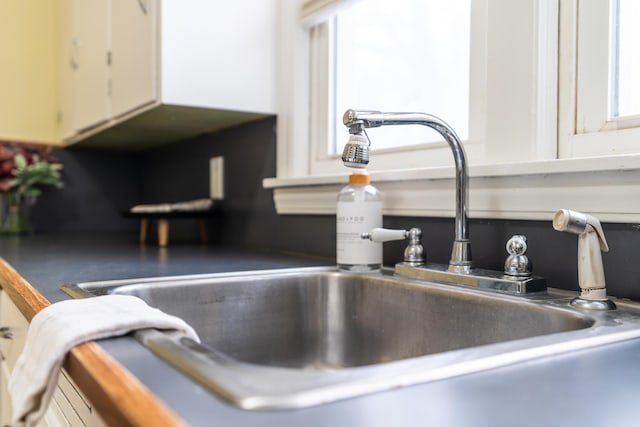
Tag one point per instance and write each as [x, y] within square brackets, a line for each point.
[163, 232]
[202, 227]
[144, 224]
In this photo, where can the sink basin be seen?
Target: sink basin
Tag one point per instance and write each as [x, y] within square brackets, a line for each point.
[299, 337]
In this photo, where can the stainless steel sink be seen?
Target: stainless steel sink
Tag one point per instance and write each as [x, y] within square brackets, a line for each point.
[300, 337]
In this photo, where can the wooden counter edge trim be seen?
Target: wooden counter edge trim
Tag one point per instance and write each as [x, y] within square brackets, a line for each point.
[24, 296]
[120, 399]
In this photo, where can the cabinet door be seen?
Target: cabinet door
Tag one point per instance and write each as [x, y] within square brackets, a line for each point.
[5, 400]
[11, 343]
[16, 325]
[133, 54]
[88, 55]
[54, 417]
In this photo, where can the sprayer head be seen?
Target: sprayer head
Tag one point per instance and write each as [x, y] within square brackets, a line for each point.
[356, 151]
[571, 221]
[579, 223]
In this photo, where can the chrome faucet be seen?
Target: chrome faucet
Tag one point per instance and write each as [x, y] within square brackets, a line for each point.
[517, 276]
[356, 154]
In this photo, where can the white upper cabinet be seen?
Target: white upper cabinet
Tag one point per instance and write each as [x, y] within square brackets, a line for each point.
[147, 54]
[108, 61]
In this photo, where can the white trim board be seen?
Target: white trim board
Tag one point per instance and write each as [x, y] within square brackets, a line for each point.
[608, 188]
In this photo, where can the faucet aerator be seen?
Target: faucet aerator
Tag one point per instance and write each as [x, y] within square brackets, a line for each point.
[356, 152]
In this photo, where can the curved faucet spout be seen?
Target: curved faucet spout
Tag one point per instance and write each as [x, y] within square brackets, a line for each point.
[356, 121]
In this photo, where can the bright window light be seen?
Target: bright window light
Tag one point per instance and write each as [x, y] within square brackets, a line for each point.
[625, 84]
[405, 55]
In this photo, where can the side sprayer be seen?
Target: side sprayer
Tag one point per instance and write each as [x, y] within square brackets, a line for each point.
[591, 244]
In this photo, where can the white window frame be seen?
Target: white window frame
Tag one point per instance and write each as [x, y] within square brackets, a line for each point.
[515, 172]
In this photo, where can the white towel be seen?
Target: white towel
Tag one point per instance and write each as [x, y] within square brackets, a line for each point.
[61, 326]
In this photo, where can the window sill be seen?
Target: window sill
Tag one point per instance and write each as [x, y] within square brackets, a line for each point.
[607, 187]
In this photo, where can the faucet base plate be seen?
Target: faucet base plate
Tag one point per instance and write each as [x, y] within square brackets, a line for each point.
[476, 277]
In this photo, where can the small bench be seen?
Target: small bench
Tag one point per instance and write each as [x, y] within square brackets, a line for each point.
[162, 220]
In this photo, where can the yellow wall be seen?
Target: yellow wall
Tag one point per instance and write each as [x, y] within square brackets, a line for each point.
[29, 70]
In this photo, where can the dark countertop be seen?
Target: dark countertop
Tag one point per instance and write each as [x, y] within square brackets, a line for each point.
[594, 387]
[47, 262]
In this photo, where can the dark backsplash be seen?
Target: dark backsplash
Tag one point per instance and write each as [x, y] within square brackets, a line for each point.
[98, 186]
[102, 184]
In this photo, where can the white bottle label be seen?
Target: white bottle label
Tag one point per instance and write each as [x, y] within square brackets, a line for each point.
[353, 219]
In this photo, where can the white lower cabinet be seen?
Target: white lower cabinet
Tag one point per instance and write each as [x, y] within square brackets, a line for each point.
[5, 402]
[69, 407]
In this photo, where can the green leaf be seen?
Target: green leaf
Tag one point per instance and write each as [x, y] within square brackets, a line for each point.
[20, 161]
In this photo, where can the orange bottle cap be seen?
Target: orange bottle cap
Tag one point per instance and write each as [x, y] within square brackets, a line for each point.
[359, 179]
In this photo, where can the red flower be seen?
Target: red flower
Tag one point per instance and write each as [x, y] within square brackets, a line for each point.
[5, 184]
[6, 167]
[29, 152]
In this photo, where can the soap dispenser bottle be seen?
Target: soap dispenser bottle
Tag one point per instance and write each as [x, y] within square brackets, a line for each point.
[359, 210]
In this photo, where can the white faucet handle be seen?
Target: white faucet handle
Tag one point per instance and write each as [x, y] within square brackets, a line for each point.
[413, 253]
[385, 235]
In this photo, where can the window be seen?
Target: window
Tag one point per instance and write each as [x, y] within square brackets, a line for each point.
[600, 99]
[406, 55]
[625, 61]
[547, 128]
[471, 62]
